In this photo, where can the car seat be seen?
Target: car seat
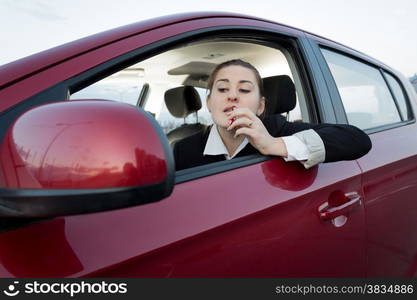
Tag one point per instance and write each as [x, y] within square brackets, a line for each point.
[280, 94]
[181, 102]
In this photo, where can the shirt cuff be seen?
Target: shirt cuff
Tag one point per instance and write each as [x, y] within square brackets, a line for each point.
[305, 146]
[296, 149]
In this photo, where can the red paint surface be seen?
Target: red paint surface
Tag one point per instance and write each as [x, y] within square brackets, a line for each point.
[260, 227]
[390, 189]
[82, 144]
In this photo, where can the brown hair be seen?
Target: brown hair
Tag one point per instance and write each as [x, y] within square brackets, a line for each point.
[235, 62]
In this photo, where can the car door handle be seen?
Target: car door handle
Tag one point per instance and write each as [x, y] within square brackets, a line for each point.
[349, 201]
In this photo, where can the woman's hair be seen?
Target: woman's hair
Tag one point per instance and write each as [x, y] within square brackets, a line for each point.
[235, 62]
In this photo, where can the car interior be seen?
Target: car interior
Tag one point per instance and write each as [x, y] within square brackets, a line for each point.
[172, 85]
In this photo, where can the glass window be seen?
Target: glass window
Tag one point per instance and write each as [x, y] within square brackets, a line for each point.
[365, 95]
[124, 86]
[398, 94]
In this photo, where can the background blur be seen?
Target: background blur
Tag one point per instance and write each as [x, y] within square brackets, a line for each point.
[385, 30]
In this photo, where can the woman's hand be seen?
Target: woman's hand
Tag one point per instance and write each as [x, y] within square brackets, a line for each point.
[246, 123]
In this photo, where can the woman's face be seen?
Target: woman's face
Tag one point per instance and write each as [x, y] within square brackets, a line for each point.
[234, 86]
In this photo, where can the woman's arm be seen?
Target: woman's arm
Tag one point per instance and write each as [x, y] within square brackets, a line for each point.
[341, 142]
[324, 142]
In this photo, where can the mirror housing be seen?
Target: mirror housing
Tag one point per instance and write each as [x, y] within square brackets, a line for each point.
[83, 156]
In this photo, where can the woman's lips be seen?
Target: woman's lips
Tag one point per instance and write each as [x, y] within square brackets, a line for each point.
[229, 109]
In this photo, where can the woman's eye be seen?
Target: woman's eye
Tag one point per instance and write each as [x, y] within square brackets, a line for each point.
[222, 90]
[245, 91]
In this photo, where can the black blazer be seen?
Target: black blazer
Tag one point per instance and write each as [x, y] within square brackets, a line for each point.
[341, 142]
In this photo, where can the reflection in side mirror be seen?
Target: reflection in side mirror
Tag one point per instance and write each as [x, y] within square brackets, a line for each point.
[83, 156]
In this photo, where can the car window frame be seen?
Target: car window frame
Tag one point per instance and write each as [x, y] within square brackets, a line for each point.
[306, 73]
[410, 114]
[378, 69]
[319, 44]
[303, 74]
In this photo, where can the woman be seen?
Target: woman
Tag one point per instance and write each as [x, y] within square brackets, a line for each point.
[236, 102]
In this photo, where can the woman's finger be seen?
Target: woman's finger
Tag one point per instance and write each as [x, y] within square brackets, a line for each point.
[244, 131]
[240, 122]
[240, 113]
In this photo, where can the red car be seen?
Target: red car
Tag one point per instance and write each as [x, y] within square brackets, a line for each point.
[88, 181]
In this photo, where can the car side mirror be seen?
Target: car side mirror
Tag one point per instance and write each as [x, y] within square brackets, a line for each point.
[83, 156]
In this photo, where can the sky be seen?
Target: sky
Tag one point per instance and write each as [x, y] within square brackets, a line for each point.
[385, 30]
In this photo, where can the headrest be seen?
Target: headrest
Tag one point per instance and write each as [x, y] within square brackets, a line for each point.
[280, 94]
[182, 101]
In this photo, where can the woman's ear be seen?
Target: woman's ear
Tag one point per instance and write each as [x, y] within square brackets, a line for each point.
[261, 107]
[208, 104]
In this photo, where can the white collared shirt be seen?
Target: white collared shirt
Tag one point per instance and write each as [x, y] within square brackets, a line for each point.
[215, 145]
[305, 146]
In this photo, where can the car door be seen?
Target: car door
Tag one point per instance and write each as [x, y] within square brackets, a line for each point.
[389, 176]
[252, 216]
[260, 220]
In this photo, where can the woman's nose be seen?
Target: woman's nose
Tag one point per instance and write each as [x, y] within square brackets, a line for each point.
[232, 95]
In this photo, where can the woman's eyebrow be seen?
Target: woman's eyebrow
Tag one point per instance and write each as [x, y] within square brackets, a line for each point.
[227, 80]
[240, 81]
[245, 81]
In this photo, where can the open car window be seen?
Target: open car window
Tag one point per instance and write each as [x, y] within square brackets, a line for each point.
[190, 65]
